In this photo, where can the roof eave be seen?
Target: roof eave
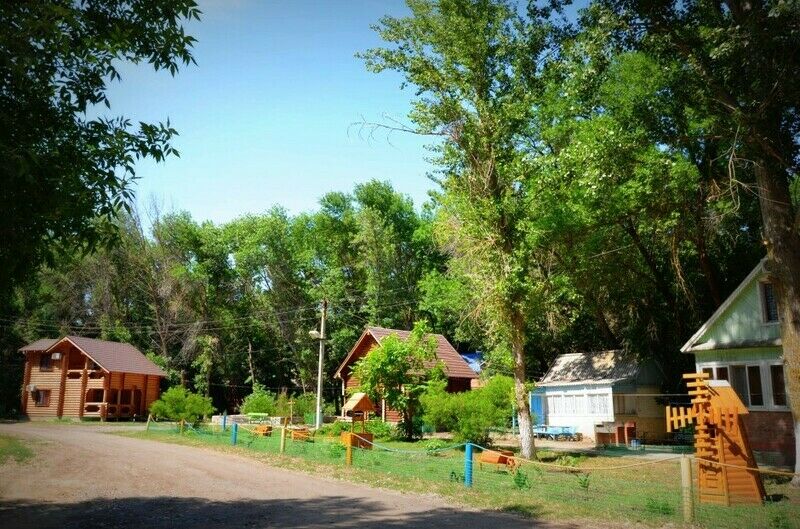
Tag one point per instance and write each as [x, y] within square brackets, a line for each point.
[688, 347]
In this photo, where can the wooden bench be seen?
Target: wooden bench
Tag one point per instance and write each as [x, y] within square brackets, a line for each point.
[264, 430]
[301, 434]
[503, 458]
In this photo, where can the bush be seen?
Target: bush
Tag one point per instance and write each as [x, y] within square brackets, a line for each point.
[472, 414]
[259, 401]
[179, 404]
[263, 401]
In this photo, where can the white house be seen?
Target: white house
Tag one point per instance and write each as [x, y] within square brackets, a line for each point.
[602, 389]
[741, 343]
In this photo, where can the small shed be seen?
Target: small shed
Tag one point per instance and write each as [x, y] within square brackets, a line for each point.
[82, 377]
[600, 391]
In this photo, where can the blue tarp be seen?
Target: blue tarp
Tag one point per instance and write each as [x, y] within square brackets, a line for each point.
[475, 360]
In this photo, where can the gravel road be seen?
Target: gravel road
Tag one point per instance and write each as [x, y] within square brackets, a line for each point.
[83, 478]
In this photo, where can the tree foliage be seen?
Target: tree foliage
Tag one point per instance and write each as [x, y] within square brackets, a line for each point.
[397, 371]
[178, 404]
[67, 175]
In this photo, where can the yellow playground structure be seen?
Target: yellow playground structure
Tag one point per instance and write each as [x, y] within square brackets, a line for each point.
[726, 470]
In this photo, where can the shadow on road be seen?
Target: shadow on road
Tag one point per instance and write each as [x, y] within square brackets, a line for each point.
[169, 512]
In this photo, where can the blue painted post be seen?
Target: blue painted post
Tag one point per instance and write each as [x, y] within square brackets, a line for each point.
[224, 420]
[468, 465]
[234, 433]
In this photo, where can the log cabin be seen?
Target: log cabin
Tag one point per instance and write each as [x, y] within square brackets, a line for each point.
[81, 377]
[459, 375]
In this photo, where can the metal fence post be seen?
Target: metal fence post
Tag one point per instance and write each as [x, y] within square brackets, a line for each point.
[686, 489]
[147, 427]
[468, 465]
[348, 457]
[283, 439]
[234, 433]
[224, 421]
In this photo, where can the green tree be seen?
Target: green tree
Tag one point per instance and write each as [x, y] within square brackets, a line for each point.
[474, 66]
[397, 371]
[179, 404]
[66, 176]
[737, 54]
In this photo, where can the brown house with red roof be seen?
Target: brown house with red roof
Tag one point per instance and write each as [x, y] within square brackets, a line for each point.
[459, 374]
[83, 377]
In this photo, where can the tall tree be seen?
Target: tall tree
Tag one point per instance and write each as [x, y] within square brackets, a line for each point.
[475, 66]
[742, 56]
[66, 176]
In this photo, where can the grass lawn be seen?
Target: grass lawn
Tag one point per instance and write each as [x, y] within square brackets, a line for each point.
[587, 489]
[12, 448]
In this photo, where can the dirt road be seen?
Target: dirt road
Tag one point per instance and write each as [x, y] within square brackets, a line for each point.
[83, 478]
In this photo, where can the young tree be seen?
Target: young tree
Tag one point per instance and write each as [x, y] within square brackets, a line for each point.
[178, 404]
[475, 66]
[738, 51]
[396, 371]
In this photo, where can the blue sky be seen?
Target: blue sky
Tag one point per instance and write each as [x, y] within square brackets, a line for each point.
[265, 116]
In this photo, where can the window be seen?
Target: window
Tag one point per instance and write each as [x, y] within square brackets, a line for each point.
[722, 373]
[598, 404]
[45, 363]
[778, 385]
[42, 397]
[739, 383]
[770, 307]
[555, 405]
[754, 386]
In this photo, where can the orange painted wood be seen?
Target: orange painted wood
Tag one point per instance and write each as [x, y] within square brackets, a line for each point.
[721, 440]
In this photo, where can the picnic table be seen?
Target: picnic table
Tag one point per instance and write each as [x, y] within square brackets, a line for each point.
[557, 433]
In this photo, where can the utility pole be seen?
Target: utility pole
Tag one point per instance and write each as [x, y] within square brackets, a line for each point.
[321, 358]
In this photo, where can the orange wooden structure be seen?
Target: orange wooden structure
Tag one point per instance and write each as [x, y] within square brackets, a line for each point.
[358, 405]
[721, 445]
[83, 377]
[501, 458]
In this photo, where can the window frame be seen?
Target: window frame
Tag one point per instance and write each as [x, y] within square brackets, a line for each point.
[46, 400]
[49, 366]
[772, 387]
[762, 298]
[764, 373]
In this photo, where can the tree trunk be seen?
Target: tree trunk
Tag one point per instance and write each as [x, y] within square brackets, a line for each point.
[783, 262]
[250, 363]
[527, 447]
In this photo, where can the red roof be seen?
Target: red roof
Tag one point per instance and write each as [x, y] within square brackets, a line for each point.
[455, 366]
[114, 357]
[42, 344]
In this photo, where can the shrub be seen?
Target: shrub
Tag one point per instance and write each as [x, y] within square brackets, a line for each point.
[472, 414]
[259, 401]
[521, 480]
[179, 404]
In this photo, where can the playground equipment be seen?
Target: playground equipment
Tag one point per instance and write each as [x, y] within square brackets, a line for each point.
[557, 433]
[726, 469]
[358, 406]
[499, 458]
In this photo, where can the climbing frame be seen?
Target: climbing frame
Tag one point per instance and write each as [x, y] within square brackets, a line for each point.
[726, 468]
